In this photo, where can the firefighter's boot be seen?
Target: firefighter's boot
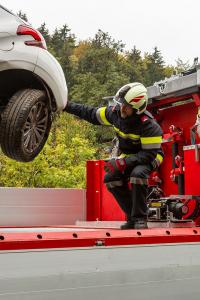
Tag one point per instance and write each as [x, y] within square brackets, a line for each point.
[139, 223]
[128, 225]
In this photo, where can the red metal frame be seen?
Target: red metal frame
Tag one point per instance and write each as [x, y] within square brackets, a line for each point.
[97, 238]
[100, 203]
[183, 117]
[93, 190]
[102, 206]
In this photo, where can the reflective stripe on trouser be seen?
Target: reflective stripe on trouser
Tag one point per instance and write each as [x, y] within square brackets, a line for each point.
[132, 202]
[113, 184]
[137, 180]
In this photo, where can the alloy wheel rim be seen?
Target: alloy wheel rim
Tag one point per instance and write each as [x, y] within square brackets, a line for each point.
[35, 127]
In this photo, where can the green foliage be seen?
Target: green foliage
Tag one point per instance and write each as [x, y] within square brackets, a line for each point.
[45, 33]
[100, 69]
[181, 65]
[154, 67]
[62, 161]
[104, 40]
[135, 65]
[87, 89]
[93, 68]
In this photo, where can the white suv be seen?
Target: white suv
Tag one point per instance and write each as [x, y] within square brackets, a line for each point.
[32, 87]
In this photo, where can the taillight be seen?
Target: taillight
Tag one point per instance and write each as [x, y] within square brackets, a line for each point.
[38, 38]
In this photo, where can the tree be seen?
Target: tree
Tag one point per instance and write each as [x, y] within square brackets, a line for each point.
[62, 161]
[62, 44]
[169, 71]
[181, 65]
[93, 68]
[154, 67]
[100, 68]
[135, 65]
[45, 33]
[22, 15]
[61, 37]
[87, 89]
[104, 40]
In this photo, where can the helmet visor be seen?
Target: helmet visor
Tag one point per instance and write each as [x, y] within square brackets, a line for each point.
[119, 100]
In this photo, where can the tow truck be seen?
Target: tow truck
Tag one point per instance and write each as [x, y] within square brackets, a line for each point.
[67, 243]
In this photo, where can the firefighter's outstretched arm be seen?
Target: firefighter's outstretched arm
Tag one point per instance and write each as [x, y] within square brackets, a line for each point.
[96, 116]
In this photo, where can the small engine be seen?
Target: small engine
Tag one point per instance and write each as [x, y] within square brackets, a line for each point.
[175, 208]
[165, 209]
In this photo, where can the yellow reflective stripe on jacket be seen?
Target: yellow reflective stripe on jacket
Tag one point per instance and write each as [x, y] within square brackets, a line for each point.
[127, 135]
[101, 116]
[157, 161]
[159, 158]
[151, 142]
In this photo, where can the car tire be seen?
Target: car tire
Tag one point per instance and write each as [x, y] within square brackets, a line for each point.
[25, 124]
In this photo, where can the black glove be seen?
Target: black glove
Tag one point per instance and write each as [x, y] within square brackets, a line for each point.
[131, 161]
[115, 165]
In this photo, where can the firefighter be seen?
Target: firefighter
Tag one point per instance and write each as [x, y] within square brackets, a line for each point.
[140, 151]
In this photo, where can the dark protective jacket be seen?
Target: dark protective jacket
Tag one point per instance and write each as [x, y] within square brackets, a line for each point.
[140, 136]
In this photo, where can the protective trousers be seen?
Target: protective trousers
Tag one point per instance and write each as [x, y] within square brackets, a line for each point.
[132, 200]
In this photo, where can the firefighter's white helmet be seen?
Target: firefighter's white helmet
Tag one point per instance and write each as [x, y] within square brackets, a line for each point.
[134, 94]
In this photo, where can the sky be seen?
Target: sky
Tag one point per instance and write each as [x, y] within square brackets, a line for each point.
[172, 26]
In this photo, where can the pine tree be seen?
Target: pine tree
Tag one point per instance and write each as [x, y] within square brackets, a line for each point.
[22, 15]
[136, 65]
[45, 33]
[154, 67]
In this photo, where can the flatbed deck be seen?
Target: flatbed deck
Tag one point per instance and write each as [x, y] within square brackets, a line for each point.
[95, 234]
[99, 261]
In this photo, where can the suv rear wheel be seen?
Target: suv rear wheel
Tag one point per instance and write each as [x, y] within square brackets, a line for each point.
[25, 125]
